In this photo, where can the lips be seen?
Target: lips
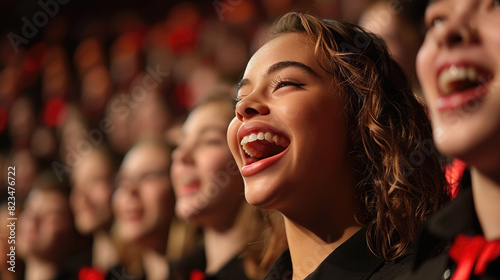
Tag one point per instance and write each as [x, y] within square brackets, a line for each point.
[261, 146]
[189, 188]
[133, 214]
[461, 84]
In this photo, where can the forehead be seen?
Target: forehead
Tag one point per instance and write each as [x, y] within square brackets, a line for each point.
[93, 164]
[144, 157]
[46, 200]
[212, 113]
[286, 47]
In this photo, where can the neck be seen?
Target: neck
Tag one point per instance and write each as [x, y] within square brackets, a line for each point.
[104, 255]
[486, 195]
[156, 241]
[308, 250]
[155, 264]
[222, 243]
[40, 269]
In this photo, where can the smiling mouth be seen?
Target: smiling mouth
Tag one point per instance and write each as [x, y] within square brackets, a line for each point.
[458, 79]
[261, 145]
[132, 215]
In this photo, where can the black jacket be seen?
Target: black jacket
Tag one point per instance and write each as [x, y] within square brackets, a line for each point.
[352, 260]
[458, 217]
[182, 269]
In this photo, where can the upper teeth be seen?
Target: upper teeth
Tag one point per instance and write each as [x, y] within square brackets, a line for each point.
[268, 136]
[456, 73]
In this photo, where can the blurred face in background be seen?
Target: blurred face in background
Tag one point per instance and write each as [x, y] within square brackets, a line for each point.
[45, 226]
[143, 201]
[149, 115]
[401, 37]
[91, 194]
[206, 180]
[459, 68]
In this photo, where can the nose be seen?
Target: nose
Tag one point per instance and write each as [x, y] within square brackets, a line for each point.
[458, 30]
[182, 154]
[251, 106]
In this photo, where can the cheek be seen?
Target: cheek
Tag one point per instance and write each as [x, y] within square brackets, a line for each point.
[423, 64]
[101, 196]
[176, 175]
[118, 202]
[75, 201]
[58, 227]
[232, 137]
[156, 199]
[214, 162]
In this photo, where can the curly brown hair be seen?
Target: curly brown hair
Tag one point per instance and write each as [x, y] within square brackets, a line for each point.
[400, 180]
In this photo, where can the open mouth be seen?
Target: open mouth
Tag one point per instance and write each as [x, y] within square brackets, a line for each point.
[189, 186]
[261, 145]
[456, 79]
[133, 214]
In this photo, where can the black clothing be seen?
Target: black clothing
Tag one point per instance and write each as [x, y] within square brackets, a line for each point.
[352, 260]
[181, 270]
[458, 217]
[120, 272]
[195, 260]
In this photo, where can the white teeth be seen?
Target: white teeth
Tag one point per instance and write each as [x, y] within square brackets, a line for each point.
[454, 74]
[252, 137]
[268, 136]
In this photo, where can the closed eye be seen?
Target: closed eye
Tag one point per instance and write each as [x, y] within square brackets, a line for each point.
[433, 21]
[281, 83]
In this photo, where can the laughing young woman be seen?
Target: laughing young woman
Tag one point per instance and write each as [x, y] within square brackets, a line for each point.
[459, 69]
[327, 133]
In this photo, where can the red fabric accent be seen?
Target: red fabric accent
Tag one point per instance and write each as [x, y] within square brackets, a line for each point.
[197, 275]
[3, 118]
[183, 39]
[53, 112]
[472, 254]
[89, 273]
[454, 173]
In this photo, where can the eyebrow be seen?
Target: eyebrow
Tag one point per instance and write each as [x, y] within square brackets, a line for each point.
[279, 66]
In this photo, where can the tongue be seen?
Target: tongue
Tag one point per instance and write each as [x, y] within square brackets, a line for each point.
[263, 149]
[463, 85]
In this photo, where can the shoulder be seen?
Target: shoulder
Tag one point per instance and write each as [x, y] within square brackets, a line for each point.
[392, 269]
[182, 268]
[232, 270]
[121, 272]
[436, 268]
[281, 268]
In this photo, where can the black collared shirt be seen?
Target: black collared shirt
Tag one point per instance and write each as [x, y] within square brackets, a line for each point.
[196, 260]
[352, 260]
[458, 217]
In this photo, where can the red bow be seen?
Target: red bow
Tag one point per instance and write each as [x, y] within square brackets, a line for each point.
[197, 275]
[472, 253]
[89, 273]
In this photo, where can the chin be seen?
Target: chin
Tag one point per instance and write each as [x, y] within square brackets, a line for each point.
[186, 211]
[262, 196]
